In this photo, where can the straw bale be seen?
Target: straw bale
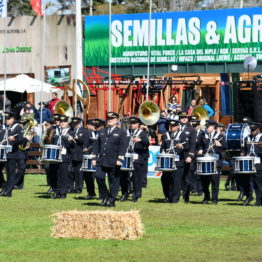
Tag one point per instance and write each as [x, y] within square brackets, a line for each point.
[108, 224]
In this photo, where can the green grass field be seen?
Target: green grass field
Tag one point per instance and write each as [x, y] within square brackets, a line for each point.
[173, 232]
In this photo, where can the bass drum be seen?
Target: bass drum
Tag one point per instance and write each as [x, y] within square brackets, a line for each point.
[235, 136]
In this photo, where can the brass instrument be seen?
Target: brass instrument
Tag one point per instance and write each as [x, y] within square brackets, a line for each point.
[28, 123]
[201, 114]
[63, 108]
[149, 113]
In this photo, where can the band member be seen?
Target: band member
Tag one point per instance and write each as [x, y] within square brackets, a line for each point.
[174, 142]
[109, 151]
[90, 138]
[15, 165]
[214, 143]
[2, 165]
[63, 139]
[78, 133]
[189, 133]
[196, 183]
[140, 144]
[253, 147]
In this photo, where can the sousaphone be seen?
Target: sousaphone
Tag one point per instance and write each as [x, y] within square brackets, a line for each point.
[149, 113]
[201, 114]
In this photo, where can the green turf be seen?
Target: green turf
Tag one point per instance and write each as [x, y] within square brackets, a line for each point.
[173, 232]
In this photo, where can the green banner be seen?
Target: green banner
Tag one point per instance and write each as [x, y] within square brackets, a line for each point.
[211, 36]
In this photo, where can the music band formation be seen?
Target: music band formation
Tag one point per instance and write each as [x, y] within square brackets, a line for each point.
[190, 158]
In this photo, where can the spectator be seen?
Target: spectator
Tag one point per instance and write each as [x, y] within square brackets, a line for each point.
[46, 113]
[52, 102]
[28, 109]
[162, 125]
[7, 102]
[190, 108]
[204, 104]
[172, 105]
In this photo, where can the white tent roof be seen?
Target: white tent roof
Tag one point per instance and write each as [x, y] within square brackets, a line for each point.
[22, 83]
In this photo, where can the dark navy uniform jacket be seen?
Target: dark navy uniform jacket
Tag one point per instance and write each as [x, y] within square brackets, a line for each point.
[189, 133]
[141, 148]
[176, 138]
[64, 143]
[255, 149]
[79, 136]
[107, 149]
[209, 141]
[17, 131]
[90, 138]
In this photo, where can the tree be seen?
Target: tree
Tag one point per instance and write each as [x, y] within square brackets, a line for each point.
[19, 8]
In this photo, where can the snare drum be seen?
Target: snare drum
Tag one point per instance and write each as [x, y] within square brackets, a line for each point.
[128, 162]
[166, 162]
[244, 164]
[51, 154]
[235, 136]
[87, 164]
[206, 165]
[3, 152]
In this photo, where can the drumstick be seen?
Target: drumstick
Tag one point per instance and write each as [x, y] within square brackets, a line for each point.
[214, 144]
[7, 138]
[181, 144]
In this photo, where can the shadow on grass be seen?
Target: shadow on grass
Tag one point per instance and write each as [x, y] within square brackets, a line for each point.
[83, 198]
[157, 200]
[43, 196]
[91, 204]
[237, 204]
[227, 199]
[40, 193]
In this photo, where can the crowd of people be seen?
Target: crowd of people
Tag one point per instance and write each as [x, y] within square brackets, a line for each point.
[107, 144]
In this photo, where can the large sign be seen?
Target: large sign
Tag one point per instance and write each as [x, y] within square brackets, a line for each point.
[209, 36]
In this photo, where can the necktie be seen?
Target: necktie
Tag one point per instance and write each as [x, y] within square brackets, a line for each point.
[109, 131]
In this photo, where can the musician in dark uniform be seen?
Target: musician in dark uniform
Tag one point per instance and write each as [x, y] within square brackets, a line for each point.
[196, 183]
[214, 143]
[91, 137]
[253, 147]
[2, 165]
[109, 151]
[174, 142]
[78, 133]
[190, 135]
[15, 165]
[62, 138]
[140, 144]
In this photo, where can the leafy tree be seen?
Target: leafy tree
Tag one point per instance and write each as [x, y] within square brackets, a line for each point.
[19, 8]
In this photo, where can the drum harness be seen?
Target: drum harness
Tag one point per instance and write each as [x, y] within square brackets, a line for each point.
[253, 141]
[131, 145]
[211, 144]
[61, 132]
[5, 139]
[177, 135]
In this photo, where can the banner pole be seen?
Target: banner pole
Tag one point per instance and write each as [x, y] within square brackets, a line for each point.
[149, 49]
[110, 55]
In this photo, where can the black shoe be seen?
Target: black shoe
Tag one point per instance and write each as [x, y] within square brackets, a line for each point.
[214, 202]
[205, 201]
[89, 197]
[257, 204]
[2, 193]
[55, 196]
[63, 196]
[240, 197]
[134, 199]
[104, 202]
[248, 200]
[112, 204]
[50, 190]
[123, 198]
[79, 191]
[233, 188]
[166, 200]
[227, 188]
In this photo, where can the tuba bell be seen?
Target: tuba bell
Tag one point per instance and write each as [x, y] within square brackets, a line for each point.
[149, 113]
[201, 114]
[63, 108]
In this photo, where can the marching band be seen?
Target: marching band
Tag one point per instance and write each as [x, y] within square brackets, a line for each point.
[190, 158]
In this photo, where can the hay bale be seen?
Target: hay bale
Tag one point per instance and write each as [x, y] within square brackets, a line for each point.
[97, 225]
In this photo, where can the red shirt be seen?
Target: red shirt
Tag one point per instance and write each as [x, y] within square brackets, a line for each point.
[52, 104]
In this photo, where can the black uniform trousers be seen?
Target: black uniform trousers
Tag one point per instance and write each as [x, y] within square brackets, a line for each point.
[138, 178]
[166, 180]
[187, 180]
[113, 174]
[245, 182]
[214, 180]
[258, 186]
[144, 173]
[90, 183]
[125, 182]
[15, 168]
[53, 176]
[62, 178]
[75, 178]
[176, 185]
